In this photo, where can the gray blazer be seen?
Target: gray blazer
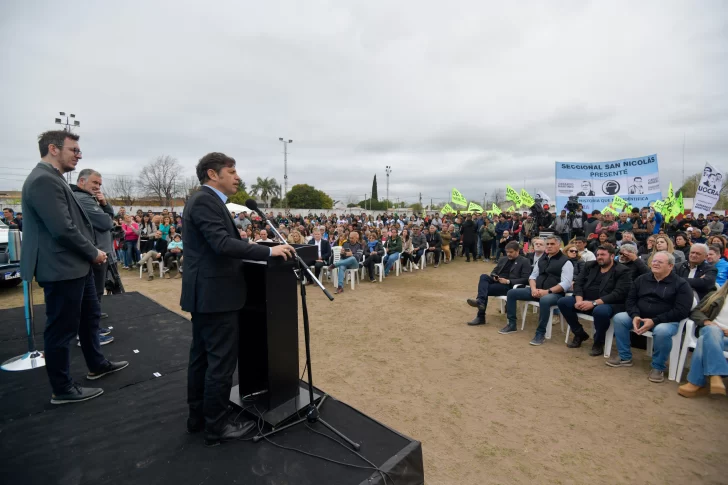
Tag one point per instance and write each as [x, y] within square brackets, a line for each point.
[58, 238]
[102, 218]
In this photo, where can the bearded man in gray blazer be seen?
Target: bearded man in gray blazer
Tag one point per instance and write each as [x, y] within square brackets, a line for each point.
[59, 251]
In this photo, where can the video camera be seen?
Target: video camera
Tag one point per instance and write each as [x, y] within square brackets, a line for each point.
[573, 204]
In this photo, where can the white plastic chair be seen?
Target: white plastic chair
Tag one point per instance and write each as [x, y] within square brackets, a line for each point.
[352, 274]
[674, 353]
[158, 262]
[690, 342]
[536, 306]
[504, 299]
[423, 260]
[378, 268]
[589, 318]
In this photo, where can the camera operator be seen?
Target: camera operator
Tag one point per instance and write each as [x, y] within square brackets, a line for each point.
[577, 221]
[87, 192]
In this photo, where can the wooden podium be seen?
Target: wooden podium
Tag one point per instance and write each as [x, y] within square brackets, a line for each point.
[268, 342]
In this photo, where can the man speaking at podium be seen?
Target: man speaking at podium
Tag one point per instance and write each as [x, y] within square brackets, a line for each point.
[214, 291]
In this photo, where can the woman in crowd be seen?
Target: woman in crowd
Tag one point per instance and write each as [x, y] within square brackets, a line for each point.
[295, 237]
[373, 254]
[664, 243]
[708, 365]
[603, 238]
[571, 252]
[178, 224]
[682, 244]
[645, 250]
[446, 236]
[174, 252]
[146, 233]
[407, 250]
[164, 227]
[701, 237]
[131, 238]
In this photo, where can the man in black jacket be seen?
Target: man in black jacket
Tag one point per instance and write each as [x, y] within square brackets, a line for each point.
[512, 269]
[549, 280]
[434, 242]
[628, 257]
[657, 302]
[699, 273]
[214, 291]
[158, 250]
[600, 290]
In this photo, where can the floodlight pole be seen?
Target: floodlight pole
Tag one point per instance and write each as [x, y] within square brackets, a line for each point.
[285, 165]
[388, 169]
[71, 122]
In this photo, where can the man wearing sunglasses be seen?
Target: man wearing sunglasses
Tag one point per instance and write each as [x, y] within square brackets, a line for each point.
[59, 250]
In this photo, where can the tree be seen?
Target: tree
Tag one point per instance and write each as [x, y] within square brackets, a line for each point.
[123, 188]
[304, 196]
[374, 189]
[266, 188]
[239, 197]
[188, 186]
[161, 178]
[416, 207]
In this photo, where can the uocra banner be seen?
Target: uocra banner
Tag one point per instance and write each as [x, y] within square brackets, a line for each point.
[636, 180]
[708, 190]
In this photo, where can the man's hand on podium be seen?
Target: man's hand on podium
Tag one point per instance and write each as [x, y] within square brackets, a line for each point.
[283, 250]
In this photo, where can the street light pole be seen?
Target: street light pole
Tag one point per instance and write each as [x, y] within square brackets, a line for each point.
[285, 165]
[70, 123]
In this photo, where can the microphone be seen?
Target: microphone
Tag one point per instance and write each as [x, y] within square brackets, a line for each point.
[253, 205]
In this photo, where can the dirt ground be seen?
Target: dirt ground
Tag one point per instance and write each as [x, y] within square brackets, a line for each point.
[490, 408]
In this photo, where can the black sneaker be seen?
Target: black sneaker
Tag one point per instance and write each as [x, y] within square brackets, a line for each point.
[474, 302]
[577, 340]
[109, 368]
[508, 329]
[538, 339]
[104, 315]
[76, 394]
[597, 350]
[476, 321]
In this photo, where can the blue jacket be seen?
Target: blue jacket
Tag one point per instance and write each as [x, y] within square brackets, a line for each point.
[658, 222]
[500, 227]
[722, 267]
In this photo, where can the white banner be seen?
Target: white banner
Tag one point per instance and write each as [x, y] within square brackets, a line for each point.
[708, 191]
[636, 180]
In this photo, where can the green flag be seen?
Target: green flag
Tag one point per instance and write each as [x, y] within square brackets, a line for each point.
[511, 209]
[458, 199]
[496, 209]
[474, 207]
[619, 203]
[658, 205]
[526, 199]
[512, 195]
[609, 210]
[670, 193]
[447, 209]
[680, 204]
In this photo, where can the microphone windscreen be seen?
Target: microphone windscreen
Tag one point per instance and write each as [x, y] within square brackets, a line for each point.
[251, 204]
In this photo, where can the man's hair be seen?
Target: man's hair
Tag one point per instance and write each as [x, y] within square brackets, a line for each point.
[702, 246]
[638, 178]
[54, 137]
[627, 232]
[212, 161]
[580, 239]
[716, 248]
[86, 173]
[595, 212]
[8, 209]
[670, 257]
[630, 248]
[557, 239]
[513, 245]
[537, 238]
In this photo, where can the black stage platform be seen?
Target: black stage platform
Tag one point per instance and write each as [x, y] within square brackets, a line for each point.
[135, 432]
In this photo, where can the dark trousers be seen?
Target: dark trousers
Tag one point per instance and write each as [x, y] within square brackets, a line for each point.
[317, 269]
[486, 249]
[486, 289]
[564, 237]
[453, 249]
[437, 252]
[100, 278]
[418, 254]
[470, 249]
[169, 257]
[72, 308]
[602, 316]
[213, 357]
[369, 263]
[406, 257]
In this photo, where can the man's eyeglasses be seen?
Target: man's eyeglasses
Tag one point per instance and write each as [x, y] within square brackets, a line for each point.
[76, 151]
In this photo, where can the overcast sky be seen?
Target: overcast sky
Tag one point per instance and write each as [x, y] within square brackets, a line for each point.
[469, 94]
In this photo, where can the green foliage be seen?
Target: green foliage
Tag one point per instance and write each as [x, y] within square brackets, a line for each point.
[266, 188]
[416, 207]
[239, 197]
[374, 189]
[304, 196]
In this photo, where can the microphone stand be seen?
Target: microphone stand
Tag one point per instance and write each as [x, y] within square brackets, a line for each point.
[313, 414]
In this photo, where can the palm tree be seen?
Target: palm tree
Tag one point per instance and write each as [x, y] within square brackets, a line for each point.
[265, 189]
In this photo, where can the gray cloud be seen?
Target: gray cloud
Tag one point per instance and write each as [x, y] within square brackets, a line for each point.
[467, 94]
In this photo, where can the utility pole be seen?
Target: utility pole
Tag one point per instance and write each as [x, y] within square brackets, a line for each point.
[285, 165]
[485, 194]
[420, 199]
[388, 170]
[365, 201]
[70, 123]
[683, 172]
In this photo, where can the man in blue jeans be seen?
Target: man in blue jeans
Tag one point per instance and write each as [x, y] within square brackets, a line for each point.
[657, 302]
[351, 254]
[550, 278]
[600, 290]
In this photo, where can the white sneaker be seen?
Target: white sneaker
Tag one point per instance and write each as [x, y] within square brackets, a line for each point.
[405, 269]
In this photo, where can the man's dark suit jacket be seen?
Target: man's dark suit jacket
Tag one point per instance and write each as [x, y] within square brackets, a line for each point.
[213, 279]
[613, 289]
[325, 249]
[58, 238]
[520, 270]
[704, 280]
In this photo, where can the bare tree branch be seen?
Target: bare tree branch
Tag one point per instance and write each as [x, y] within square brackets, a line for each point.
[123, 188]
[161, 178]
[188, 186]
